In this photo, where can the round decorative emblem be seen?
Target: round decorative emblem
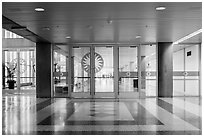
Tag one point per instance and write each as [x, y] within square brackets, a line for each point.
[128, 74]
[148, 73]
[85, 62]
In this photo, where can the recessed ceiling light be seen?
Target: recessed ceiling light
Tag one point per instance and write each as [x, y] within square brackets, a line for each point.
[160, 8]
[39, 9]
[138, 36]
[68, 37]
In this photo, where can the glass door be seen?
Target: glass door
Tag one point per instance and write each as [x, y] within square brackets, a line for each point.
[92, 72]
[103, 75]
[94, 75]
[18, 71]
[27, 70]
[128, 72]
[10, 69]
[81, 77]
[60, 75]
[148, 70]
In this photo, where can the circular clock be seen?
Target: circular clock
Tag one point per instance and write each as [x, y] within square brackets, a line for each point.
[85, 62]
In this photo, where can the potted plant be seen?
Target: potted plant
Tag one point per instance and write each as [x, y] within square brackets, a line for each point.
[11, 68]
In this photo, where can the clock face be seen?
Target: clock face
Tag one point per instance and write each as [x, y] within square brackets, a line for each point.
[85, 62]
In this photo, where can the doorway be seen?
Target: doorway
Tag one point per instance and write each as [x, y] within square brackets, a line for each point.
[104, 71]
[92, 75]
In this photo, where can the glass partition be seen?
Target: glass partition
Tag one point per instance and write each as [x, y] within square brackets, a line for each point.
[148, 69]
[10, 69]
[104, 69]
[27, 69]
[81, 69]
[128, 70]
[60, 75]
[19, 70]
[18, 64]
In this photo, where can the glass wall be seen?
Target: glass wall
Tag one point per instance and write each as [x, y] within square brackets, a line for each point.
[81, 69]
[128, 69]
[9, 68]
[186, 76]
[27, 69]
[104, 69]
[148, 69]
[19, 64]
[60, 75]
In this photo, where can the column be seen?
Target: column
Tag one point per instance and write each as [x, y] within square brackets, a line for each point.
[43, 70]
[67, 69]
[165, 69]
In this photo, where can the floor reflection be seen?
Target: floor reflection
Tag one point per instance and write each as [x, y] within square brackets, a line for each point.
[18, 114]
[31, 115]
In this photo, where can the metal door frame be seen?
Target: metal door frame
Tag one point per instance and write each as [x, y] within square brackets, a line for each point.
[102, 94]
[115, 94]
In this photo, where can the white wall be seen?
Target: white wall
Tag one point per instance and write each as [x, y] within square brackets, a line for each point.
[186, 85]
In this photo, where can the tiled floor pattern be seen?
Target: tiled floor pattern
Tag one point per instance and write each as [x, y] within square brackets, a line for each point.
[28, 115]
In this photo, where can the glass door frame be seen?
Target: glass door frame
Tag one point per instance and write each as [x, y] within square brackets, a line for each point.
[140, 93]
[71, 92]
[92, 93]
[115, 94]
[18, 89]
[102, 94]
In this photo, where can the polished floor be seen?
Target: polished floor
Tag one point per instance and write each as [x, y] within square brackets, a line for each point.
[152, 116]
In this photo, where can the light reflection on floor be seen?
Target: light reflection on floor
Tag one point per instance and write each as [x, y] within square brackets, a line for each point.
[30, 115]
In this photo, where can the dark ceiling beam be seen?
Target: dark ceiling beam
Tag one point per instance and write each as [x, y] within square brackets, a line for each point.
[21, 30]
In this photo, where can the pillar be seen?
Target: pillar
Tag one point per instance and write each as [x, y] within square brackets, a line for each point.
[43, 70]
[70, 71]
[165, 69]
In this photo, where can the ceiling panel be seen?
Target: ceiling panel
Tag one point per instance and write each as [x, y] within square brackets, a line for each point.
[88, 22]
